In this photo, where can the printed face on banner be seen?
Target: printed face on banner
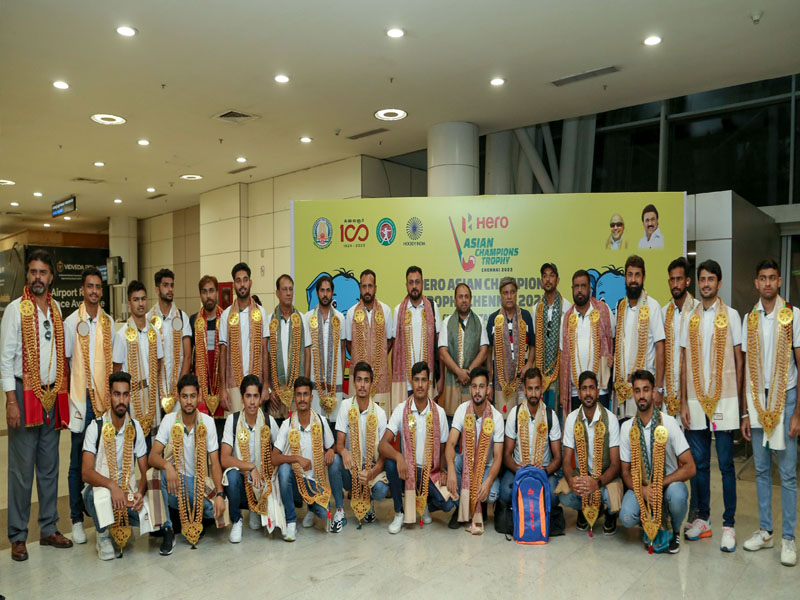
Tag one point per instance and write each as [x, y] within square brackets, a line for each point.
[480, 240]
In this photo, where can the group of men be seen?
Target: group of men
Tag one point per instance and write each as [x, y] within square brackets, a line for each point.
[245, 409]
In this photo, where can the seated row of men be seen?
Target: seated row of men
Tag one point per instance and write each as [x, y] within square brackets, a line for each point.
[271, 470]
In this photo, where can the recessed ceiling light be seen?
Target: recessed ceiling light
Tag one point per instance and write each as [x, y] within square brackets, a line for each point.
[306, 140]
[150, 190]
[99, 164]
[68, 218]
[15, 204]
[7, 182]
[106, 119]
[117, 201]
[37, 194]
[126, 31]
[391, 114]
[497, 81]
[191, 177]
[395, 32]
[653, 40]
[61, 85]
[143, 142]
[47, 224]
[282, 78]
[241, 159]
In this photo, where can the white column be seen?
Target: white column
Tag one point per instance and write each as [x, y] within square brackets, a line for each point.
[499, 169]
[453, 159]
[123, 237]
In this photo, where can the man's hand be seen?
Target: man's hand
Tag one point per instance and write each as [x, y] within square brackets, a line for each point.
[173, 480]
[483, 491]
[138, 501]
[275, 400]
[463, 377]
[647, 494]
[583, 485]
[225, 399]
[219, 506]
[304, 463]
[659, 399]
[402, 469]
[347, 459]
[746, 429]
[117, 497]
[365, 477]
[452, 483]
[264, 396]
[329, 456]
[258, 481]
[685, 418]
[12, 414]
[794, 425]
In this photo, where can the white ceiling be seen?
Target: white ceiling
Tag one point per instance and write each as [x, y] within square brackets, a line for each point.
[195, 58]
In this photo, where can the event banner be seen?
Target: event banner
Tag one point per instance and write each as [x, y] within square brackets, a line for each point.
[481, 239]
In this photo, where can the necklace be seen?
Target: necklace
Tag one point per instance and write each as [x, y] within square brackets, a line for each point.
[508, 385]
[323, 494]
[551, 374]
[243, 437]
[421, 485]
[325, 375]
[590, 503]
[576, 365]
[285, 390]
[98, 399]
[360, 499]
[671, 399]
[621, 376]
[191, 513]
[145, 418]
[120, 530]
[29, 320]
[408, 332]
[523, 435]
[170, 383]
[474, 468]
[209, 394]
[256, 324]
[708, 399]
[641, 470]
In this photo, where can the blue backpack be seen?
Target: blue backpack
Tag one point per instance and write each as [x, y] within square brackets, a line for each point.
[530, 505]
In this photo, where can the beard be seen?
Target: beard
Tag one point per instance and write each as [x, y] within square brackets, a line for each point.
[633, 291]
[414, 294]
[38, 287]
[580, 299]
[241, 294]
[679, 294]
[325, 301]
[209, 305]
[367, 298]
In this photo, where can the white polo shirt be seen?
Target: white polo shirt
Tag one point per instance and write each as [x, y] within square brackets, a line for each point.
[569, 430]
[343, 425]
[416, 343]
[120, 349]
[244, 332]
[583, 337]
[676, 442]
[325, 326]
[189, 440]
[707, 317]
[497, 431]
[229, 437]
[11, 346]
[395, 425]
[387, 320]
[766, 331]
[554, 435]
[306, 448]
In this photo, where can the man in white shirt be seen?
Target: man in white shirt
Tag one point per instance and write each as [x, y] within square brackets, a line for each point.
[652, 238]
[678, 465]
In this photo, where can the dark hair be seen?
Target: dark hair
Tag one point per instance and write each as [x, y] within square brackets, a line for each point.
[479, 371]
[303, 381]
[280, 277]
[256, 299]
[322, 280]
[532, 373]
[507, 281]
[549, 265]
[363, 367]
[368, 272]
[643, 374]
[88, 272]
[249, 380]
[712, 267]
[413, 269]
[634, 260]
[116, 377]
[135, 286]
[205, 280]
[419, 368]
[188, 380]
[767, 263]
[160, 274]
[582, 273]
[42, 255]
[587, 375]
[241, 266]
[649, 208]
[681, 263]
[462, 284]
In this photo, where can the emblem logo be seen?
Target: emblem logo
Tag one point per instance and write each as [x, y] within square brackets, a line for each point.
[322, 232]
[386, 231]
[414, 228]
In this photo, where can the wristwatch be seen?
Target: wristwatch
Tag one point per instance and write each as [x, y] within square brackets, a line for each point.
[221, 494]
[660, 390]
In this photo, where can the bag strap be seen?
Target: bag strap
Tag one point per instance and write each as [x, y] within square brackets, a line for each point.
[99, 423]
[235, 422]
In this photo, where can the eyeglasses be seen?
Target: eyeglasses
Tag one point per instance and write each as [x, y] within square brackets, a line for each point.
[618, 224]
[48, 335]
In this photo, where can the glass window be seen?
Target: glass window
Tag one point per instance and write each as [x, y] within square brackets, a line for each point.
[745, 151]
[626, 160]
[794, 278]
[731, 95]
[629, 114]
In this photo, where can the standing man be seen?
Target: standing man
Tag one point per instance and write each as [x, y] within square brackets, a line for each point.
[472, 475]
[138, 351]
[587, 343]
[88, 342]
[510, 331]
[463, 345]
[243, 337]
[326, 329]
[370, 337]
[652, 238]
[416, 322]
[205, 325]
[655, 464]
[34, 373]
[591, 443]
[547, 323]
[289, 348]
[192, 440]
[676, 314]
[771, 344]
[639, 340]
[175, 334]
[712, 372]
[415, 478]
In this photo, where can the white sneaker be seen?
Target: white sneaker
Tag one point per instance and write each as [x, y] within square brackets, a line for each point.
[728, 542]
[760, 539]
[236, 532]
[426, 517]
[291, 532]
[308, 520]
[105, 549]
[788, 553]
[78, 534]
[397, 523]
[699, 529]
[255, 520]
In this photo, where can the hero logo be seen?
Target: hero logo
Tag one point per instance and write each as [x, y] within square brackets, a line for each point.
[484, 223]
[354, 233]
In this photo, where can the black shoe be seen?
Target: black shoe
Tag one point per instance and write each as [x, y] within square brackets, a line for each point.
[370, 516]
[582, 523]
[454, 524]
[168, 543]
[675, 543]
[610, 524]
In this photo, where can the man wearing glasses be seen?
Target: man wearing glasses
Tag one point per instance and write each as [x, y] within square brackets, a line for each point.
[33, 371]
[615, 241]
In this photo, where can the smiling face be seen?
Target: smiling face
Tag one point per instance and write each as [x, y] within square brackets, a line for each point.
[188, 399]
[617, 227]
[478, 389]
[92, 290]
[242, 283]
[650, 223]
[39, 277]
[709, 284]
[302, 397]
